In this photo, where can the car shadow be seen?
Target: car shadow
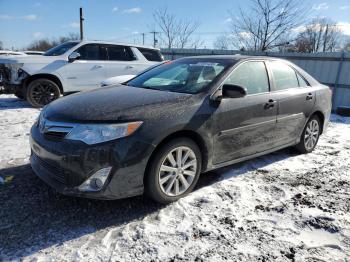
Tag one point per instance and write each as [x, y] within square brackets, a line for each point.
[13, 103]
[34, 217]
[255, 164]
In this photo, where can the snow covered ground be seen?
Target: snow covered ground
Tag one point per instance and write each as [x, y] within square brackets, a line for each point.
[280, 207]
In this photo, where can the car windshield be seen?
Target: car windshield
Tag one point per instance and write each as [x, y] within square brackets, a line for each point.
[60, 49]
[184, 76]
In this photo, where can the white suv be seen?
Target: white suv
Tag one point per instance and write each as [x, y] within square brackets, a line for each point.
[71, 67]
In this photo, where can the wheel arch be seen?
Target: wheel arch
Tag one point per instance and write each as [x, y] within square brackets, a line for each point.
[194, 136]
[321, 116]
[51, 77]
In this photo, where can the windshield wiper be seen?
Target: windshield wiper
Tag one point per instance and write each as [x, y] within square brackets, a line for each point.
[149, 87]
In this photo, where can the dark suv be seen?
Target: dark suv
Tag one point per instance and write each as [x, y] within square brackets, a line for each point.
[159, 131]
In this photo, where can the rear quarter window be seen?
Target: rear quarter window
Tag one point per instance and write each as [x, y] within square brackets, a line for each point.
[151, 54]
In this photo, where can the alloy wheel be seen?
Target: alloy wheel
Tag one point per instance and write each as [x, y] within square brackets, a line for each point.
[311, 134]
[177, 171]
[43, 93]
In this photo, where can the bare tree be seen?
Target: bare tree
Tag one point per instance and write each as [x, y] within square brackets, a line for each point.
[168, 25]
[1, 45]
[186, 31]
[347, 46]
[320, 35]
[222, 42]
[267, 21]
[175, 32]
[45, 44]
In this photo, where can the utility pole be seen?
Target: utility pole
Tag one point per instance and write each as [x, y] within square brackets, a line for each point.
[155, 41]
[81, 24]
[143, 38]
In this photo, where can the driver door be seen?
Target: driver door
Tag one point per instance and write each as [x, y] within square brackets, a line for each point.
[89, 71]
[245, 126]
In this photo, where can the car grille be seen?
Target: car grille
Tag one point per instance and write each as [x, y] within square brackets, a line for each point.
[55, 172]
[55, 136]
[55, 131]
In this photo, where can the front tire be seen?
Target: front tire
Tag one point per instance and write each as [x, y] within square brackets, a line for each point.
[310, 135]
[41, 92]
[173, 171]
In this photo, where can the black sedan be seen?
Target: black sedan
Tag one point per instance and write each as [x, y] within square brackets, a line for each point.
[158, 132]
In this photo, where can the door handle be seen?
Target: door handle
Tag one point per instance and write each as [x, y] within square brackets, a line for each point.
[270, 104]
[309, 96]
[97, 66]
[129, 67]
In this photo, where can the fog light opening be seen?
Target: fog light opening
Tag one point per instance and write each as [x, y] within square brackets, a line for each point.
[96, 181]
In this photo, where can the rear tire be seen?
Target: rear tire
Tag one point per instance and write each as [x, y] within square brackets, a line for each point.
[41, 92]
[173, 171]
[310, 135]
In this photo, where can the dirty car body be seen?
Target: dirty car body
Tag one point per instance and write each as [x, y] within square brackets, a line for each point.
[227, 130]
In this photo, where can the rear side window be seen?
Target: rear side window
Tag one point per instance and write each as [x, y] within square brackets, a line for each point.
[151, 54]
[92, 52]
[285, 77]
[252, 76]
[119, 53]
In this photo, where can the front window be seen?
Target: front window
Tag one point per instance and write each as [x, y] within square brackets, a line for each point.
[184, 76]
[252, 76]
[92, 52]
[60, 49]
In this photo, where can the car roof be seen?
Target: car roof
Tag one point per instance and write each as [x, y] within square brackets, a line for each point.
[114, 43]
[235, 57]
[239, 57]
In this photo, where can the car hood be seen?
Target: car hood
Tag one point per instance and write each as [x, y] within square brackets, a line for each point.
[29, 59]
[116, 80]
[117, 104]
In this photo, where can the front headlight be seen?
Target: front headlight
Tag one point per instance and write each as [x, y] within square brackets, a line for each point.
[99, 133]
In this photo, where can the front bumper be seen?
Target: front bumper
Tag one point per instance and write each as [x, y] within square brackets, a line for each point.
[6, 88]
[11, 81]
[65, 165]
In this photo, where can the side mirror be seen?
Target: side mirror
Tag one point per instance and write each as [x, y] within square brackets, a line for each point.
[233, 91]
[73, 56]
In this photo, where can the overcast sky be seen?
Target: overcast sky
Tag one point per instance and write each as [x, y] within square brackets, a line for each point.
[22, 21]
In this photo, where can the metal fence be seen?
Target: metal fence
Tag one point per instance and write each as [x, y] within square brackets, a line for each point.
[332, 69]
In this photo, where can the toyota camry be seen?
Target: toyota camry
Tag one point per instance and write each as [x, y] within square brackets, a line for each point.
[156, 133]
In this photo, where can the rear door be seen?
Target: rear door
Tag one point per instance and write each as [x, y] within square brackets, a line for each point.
[295, 100]
[88, 71]
[245, 126]
[122, 61]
